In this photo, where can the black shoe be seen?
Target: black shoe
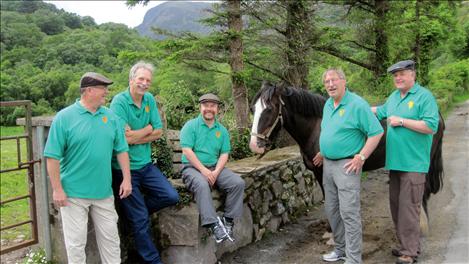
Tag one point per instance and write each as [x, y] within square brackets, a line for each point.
[229, 225]
[219, 231]
[395, 252]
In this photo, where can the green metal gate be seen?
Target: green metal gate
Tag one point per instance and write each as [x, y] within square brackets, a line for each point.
[21, 165]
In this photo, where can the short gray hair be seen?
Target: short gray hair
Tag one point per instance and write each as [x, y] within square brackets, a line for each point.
[140, 65]
[339, 72]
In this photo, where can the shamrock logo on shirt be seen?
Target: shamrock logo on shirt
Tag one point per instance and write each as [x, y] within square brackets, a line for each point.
[104, 119]
[341, 112]
[218, 134]
[410, 104]
[147, 109]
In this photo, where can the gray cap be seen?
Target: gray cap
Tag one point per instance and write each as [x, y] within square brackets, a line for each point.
[209, 98]
[402, 65]
[93, 79]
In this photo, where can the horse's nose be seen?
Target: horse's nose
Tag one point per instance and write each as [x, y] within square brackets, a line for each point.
[253, 146]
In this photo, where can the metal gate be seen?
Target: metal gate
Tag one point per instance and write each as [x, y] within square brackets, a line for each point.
[21, 165]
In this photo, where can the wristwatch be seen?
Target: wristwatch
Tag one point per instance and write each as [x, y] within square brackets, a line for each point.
[362, 157]
[401, 122]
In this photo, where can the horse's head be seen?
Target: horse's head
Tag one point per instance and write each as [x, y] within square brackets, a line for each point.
[267, 108]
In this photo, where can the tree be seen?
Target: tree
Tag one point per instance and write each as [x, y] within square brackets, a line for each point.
[285, 29]
[235, 25]
[226, 46]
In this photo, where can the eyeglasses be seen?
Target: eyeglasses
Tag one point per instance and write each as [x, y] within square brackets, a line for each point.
[331, 80]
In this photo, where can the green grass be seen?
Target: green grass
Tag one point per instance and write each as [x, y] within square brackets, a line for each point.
[13, 184]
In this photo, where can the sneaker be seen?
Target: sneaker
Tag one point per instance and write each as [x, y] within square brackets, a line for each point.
[229, 226]
[219, 231]
[333, 256]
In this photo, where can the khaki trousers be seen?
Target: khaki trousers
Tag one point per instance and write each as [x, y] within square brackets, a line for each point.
[75, 228]
[405, 197]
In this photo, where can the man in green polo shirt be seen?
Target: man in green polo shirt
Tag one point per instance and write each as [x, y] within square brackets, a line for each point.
[139, 116]
[206, 145]
[349, 134]
[79, 150]
[412, 117]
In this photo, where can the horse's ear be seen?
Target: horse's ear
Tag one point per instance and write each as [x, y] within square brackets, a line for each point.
[281, 88]
[266, 84]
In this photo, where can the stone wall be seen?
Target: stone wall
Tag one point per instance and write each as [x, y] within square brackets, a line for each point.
[278, 188]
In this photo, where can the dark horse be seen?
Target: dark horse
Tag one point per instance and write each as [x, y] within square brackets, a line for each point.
[300, 113]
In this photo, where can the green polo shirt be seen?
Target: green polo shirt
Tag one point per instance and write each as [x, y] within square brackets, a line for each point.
[208, 143]
[344, 129]
[136, 118]
[84, 143]
[408, 150]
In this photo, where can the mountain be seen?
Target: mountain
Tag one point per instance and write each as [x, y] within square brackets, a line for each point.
[175, 17]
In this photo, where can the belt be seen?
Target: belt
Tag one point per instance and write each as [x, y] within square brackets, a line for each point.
[349, 157]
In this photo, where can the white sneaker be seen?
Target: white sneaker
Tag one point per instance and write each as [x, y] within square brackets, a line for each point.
[333, 256]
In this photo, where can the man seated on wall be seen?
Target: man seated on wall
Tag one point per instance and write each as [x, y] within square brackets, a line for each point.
[205, 146]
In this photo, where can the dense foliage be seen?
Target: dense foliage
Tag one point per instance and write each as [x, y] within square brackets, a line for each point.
[44, 52]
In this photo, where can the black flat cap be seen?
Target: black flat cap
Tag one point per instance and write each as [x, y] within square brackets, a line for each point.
[93, 79]
[402, 65]
[209, 98]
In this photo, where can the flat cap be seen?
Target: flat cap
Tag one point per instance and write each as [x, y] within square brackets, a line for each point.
[402, 65]
[92, 79]
[209, 98]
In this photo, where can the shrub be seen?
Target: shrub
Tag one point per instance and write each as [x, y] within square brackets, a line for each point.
[162, 156]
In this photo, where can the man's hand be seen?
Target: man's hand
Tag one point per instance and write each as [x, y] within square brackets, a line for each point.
[60, 198]
[395, 121]
[318, 159]
[211, 177]
[354, 165]
[125, 189]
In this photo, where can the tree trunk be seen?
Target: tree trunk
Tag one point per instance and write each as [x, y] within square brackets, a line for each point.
[381, 58]
[298, 33]
[235, 25]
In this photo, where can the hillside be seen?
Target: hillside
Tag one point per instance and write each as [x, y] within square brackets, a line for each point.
[175, 17]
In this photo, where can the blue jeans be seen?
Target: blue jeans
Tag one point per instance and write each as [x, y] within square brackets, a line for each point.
[159, 193]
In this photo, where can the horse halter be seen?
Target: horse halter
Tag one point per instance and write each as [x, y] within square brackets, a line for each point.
[279, 118]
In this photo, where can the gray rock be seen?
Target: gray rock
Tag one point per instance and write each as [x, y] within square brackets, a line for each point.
[248, 181]
[274, 224]
[180, 226]
[278, 209]
[277, 189]
[286, 174]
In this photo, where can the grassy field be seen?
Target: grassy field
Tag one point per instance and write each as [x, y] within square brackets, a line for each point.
[13, 184]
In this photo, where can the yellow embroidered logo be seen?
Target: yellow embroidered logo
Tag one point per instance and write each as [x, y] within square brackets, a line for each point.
[147, 109]
[410, 104]
[341, 112]
[218, 134]
[104, 119]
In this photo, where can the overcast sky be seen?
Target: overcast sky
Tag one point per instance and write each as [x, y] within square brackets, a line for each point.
[107, 11]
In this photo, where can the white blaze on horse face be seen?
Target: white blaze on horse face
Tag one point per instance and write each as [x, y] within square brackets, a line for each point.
[258, 109]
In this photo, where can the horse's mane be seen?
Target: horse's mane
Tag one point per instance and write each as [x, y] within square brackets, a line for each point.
[299, 100]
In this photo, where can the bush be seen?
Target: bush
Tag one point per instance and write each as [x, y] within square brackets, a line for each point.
[162, 156]
[448, 82]
[240, 144]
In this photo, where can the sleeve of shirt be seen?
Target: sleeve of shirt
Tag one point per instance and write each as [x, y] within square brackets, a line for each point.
[381, 111]
[120, 142]
[226, 146]
[155, 115]
[429, 112]
[118, 108]
[56, 141]
[187, 136]
[370, 124]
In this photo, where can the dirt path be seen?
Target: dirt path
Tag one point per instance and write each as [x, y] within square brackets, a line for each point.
[447, 241]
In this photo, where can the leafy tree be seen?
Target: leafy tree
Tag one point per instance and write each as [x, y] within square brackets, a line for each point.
[48, 21]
